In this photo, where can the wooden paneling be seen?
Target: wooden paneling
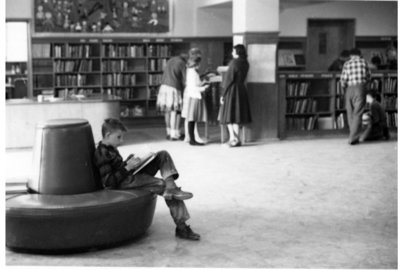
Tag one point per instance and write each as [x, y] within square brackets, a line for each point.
[263, 101]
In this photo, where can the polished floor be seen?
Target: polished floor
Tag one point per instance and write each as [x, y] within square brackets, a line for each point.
[297, 203]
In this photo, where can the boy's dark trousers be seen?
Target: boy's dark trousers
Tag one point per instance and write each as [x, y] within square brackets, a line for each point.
[355, 102]
[145, 180]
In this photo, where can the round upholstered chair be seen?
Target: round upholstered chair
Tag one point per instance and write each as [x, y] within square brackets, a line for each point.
[66, 210]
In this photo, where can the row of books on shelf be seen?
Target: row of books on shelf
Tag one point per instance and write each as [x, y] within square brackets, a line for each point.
[390, 103]
[297, 88]
[78, 51]
[40, 82]
[316, 122]
[390, 85]
[41, 50]
[117, 50]
[391, 118]
[118, 79]
[339, 89]
[305, 105]
[74, 80]
[157, 64]
[42, 66]
[304, 123]
[159, 50]
[73, 66]
[340, 121]
[114, 65]
[339, 102]
[155, 79]
[386, 86]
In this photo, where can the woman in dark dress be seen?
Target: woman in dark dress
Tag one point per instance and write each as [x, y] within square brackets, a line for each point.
[235, 109]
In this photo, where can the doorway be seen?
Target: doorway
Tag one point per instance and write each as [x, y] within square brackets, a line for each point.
[326, 38]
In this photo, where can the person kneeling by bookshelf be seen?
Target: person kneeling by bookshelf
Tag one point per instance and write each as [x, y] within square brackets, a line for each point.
[137, 172]
[374, 120]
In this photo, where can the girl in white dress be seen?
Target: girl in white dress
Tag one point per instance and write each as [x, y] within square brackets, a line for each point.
[194, 107]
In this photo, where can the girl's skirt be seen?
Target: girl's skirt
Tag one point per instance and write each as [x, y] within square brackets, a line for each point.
[169, 99]
[194, 110]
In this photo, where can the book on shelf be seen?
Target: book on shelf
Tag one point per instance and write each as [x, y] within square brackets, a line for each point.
[339, 103]
[391, 119]
[390, 103]
[297, 89]
[303, 123]
[339, 89]
[304, 105]
[339, 122]
[286, 58]
[390, 85]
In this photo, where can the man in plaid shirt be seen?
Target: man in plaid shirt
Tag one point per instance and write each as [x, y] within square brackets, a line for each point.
[354, 78]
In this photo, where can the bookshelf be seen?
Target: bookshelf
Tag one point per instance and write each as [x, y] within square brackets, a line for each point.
[129, 70]
[385, 83]
[15, 75]
[313, 103]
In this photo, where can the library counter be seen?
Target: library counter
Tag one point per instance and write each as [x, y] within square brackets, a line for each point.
[22, 115]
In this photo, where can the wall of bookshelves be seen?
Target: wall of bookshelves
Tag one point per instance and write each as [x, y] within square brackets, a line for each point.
[130, 69]
[314, 102]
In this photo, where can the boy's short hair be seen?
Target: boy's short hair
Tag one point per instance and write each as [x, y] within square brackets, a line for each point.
[355, 51]
[111, 125]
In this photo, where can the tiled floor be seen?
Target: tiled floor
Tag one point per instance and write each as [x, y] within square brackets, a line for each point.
[314, 203]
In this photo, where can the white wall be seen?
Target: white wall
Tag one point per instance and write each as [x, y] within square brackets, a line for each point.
[19, 9]
[373, 18]
[213, 21]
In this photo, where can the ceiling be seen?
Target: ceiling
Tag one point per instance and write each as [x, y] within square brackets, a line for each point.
[284, 4]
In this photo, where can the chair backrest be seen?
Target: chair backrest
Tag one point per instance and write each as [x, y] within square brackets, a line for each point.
[63, 158]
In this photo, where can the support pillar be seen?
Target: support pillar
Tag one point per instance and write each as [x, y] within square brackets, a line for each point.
[256, 25]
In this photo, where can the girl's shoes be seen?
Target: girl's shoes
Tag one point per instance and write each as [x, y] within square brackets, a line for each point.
[235, 143]
[196, 143]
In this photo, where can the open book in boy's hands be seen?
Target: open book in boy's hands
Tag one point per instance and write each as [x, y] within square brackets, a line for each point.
[145, 158]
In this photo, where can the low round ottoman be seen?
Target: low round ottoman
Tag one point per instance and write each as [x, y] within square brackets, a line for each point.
[64, 223]
[66, 210]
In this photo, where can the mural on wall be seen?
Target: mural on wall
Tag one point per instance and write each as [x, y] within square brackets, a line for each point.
[102, 16]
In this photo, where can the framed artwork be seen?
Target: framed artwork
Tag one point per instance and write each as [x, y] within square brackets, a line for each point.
[102, 16]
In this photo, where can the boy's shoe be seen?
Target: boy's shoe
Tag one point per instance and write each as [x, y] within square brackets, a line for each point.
[177, 193]
[186, 233]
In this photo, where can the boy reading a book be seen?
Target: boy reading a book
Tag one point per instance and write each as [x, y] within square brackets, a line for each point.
[138, 173]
